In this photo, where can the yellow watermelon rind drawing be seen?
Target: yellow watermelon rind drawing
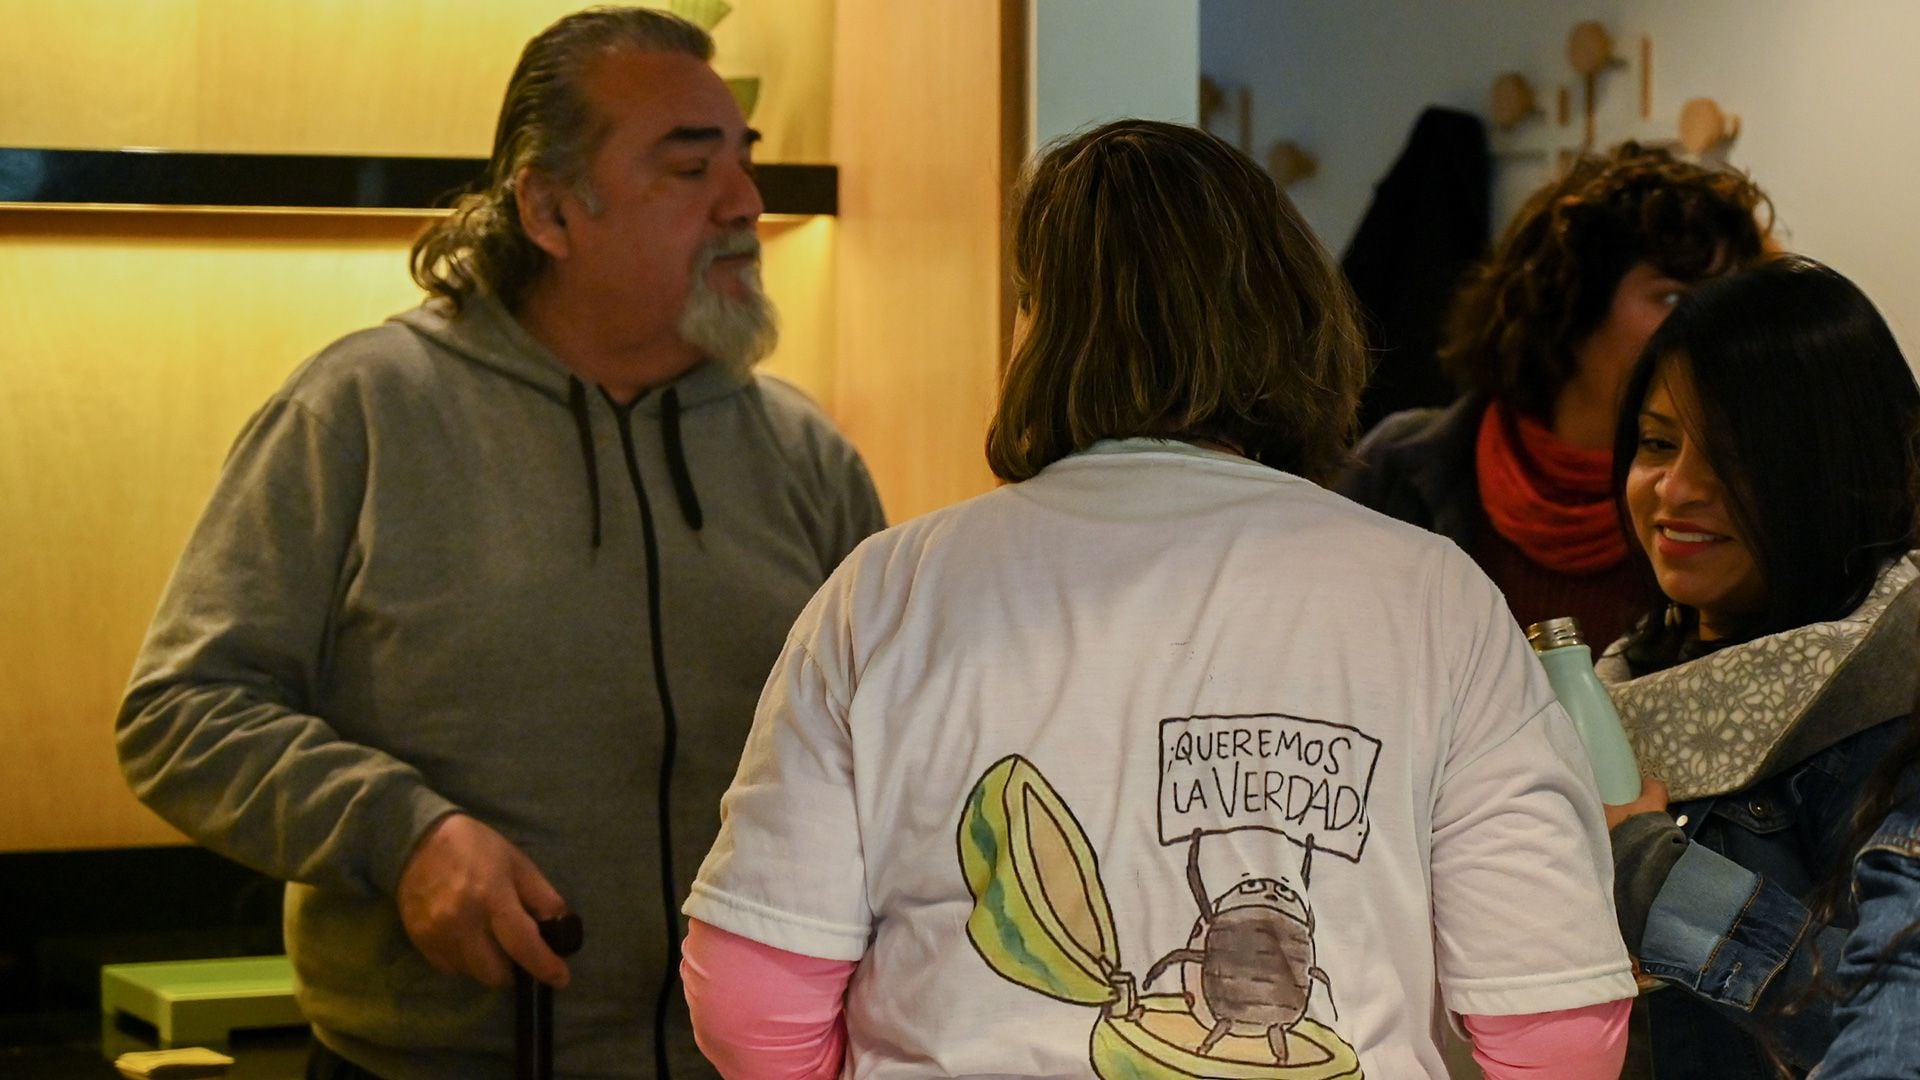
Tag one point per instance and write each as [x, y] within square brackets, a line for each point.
[1014, 926]
[1161, 1043]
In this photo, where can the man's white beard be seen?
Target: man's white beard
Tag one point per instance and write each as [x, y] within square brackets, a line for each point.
[736, 332]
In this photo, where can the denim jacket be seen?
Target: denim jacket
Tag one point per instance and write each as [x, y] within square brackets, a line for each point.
[1713, 900]
[1729, 929]
[1878, 1037]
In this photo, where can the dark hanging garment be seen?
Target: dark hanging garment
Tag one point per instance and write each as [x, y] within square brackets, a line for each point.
[1427, 224]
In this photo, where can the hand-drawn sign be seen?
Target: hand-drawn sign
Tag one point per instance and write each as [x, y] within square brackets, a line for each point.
[1285, 774]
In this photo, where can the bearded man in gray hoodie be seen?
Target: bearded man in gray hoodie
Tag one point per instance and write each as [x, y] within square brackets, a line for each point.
[472, 629]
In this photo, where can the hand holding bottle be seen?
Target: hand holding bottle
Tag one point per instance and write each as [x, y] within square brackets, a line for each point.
[1653, 797]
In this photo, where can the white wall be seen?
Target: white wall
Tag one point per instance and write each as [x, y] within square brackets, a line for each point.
[1825, 92]
[1099, 60]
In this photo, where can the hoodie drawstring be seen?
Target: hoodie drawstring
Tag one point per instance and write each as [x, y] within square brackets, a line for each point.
[677, 459]
[676, 452]
[577, 402]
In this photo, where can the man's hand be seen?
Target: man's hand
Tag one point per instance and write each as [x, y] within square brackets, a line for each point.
[469, 900]
[1653, 796]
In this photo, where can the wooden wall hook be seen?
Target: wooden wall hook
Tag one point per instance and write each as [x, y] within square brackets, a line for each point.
[1705, 127]
[1511, 101]
[1211, 99]
[1290, 163]
[1590, 49]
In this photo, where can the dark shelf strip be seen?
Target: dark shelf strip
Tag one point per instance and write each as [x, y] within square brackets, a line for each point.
[32, 177]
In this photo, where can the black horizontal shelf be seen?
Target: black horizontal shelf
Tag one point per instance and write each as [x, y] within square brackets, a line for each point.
[167, 178]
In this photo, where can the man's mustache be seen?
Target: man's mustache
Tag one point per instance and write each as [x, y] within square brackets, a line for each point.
[744, 242]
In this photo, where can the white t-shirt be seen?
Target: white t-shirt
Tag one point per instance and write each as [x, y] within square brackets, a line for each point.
[1163, 711]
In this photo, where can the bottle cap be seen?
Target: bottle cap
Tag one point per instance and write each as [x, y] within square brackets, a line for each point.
[1555, 633]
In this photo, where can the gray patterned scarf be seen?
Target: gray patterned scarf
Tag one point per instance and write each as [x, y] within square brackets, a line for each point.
[1736, 716]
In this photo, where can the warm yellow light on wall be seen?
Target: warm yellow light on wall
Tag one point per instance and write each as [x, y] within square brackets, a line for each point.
[797, 267]
[138, 343]
[344, 77]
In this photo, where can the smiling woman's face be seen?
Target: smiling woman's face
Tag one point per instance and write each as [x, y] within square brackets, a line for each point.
[1681, 514]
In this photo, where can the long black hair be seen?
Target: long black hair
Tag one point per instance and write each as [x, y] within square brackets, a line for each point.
[1807, 412]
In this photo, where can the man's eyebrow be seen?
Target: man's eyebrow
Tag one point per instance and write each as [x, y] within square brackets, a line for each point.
[705, 135]
[693, 135]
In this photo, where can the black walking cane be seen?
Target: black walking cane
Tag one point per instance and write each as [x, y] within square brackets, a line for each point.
[533, 1003]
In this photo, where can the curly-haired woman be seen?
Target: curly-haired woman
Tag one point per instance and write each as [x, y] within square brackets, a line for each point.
[1542, 336]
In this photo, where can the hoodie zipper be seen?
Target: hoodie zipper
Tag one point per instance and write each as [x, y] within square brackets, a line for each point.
[669, 735]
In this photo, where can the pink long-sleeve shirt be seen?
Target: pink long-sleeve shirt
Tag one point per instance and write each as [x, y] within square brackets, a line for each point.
[761, 1013]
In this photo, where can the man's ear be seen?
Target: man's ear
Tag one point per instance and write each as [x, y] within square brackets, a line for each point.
[537, 196]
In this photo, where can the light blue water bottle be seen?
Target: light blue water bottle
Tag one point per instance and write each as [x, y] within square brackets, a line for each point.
[1563, 652]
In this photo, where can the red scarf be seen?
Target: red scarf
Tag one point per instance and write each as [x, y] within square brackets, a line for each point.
[1554, 501]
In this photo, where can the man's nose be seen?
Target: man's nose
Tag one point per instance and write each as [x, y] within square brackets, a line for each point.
[739, 204]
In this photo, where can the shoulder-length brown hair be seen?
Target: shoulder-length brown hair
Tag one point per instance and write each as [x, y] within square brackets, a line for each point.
[1171, 290]
[1514, 326]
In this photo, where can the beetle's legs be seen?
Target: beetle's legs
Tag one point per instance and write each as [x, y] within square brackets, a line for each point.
[1220, 1028]
[1316, 973]
[1277, 1038]
[1177, 956]
[1198, 886]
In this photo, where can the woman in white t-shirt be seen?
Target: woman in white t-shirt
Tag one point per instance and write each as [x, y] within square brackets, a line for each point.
[1160, 760]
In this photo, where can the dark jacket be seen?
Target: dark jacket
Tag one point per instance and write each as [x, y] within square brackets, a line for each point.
[1427, 224]
[1417, 466]
[1420, 466]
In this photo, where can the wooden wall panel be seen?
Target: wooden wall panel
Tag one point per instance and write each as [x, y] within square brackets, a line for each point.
[797, 270]
[84, 73]
[917, 132]
[138, 343]
[788, 46]
[344, 77]
[137, 346]
[133, 353]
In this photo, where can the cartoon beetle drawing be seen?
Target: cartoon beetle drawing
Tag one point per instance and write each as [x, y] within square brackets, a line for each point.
[1253, 952]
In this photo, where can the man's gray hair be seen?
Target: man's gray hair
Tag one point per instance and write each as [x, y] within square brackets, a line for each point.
[547, 123]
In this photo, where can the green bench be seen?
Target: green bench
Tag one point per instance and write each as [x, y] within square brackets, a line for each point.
[201, 1002]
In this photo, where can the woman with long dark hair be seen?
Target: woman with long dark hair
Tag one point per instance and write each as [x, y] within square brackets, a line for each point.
[1765, 466]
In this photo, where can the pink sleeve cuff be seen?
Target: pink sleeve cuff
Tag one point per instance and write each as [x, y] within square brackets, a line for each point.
[1588, 1043]
[761, 1013]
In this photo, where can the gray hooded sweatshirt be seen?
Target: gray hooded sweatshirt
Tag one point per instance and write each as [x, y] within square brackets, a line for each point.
[439, 573]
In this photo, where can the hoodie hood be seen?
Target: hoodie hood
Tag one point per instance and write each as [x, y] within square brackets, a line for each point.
[484, 333]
